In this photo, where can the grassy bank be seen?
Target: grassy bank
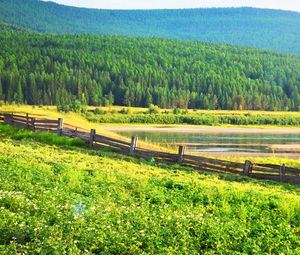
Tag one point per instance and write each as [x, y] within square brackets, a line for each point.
[59, 198]
[207, 118]
[96, 116]
[191, 117]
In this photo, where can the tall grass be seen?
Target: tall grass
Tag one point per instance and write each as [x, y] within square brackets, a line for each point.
[8, 131]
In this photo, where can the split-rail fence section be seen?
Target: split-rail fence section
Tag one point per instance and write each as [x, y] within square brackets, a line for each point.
[273, 172]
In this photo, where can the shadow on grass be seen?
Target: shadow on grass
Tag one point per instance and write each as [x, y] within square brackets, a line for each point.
[64, 143]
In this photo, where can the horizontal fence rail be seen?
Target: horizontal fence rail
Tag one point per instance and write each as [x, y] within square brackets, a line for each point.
[274, 172]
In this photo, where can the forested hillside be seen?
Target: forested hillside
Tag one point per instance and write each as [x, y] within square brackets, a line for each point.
[103, 70]
[269, 29]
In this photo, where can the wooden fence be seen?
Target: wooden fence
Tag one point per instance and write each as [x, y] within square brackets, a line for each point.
[251, 169]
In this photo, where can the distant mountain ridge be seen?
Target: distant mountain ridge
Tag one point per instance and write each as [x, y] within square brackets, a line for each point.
[261, 28]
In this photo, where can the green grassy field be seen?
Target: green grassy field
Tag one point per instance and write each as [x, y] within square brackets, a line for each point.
[58, 197]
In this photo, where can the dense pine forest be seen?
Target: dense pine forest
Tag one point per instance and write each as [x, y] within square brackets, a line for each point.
[44, 69]
[268, 29]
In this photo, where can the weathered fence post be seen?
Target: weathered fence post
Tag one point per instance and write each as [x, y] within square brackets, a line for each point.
[92, 138]
[33, 124]
[133, 145]
[282, 172]
[60, 126]
[247, 167]
[27, 120]
[12, 119]
[5, 118]
[76, 132]
[181, 151]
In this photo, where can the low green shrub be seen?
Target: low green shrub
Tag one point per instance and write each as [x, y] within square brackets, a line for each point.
[195, 119]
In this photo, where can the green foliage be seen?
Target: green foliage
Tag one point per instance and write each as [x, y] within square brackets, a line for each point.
[41, 69]
[176, 110]
[99, 111]
[6, 131]
[199, 119]
[11, 27]
[153, 109]
[261, 28]
[73, 106]
[125, 111]
[58, 200]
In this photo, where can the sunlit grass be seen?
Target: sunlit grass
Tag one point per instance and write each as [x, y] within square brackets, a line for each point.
[7, 131]
[58, 198]
[295, 163]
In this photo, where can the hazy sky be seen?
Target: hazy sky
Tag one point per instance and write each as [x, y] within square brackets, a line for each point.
[159, 4]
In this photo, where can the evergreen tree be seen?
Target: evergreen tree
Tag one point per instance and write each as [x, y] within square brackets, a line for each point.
[1, 90]
[32, 99]
[20, 98]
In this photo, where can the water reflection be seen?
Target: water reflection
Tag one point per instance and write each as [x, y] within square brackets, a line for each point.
[218, 142]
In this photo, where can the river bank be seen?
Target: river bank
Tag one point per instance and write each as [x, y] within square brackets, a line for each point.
[201, 129]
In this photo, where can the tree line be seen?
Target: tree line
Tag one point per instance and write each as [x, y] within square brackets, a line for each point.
[44, 69]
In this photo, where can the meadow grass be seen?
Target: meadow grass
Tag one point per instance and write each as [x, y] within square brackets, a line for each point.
[138, 116]
[7, 131]
[295, 163]
[59, 198]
